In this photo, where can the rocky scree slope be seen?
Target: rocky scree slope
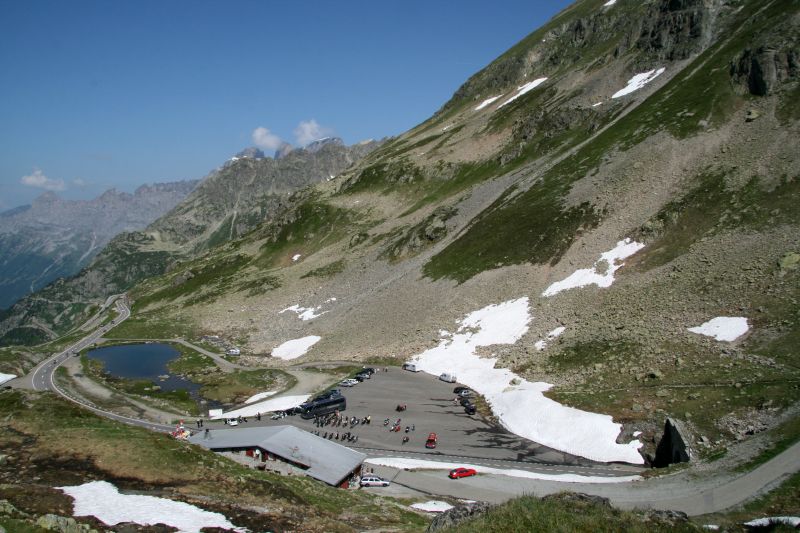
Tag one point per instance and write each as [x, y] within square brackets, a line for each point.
[672, 123]
[53, 237]
[229, 202]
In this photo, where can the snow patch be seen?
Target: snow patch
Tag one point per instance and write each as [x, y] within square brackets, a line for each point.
[638, 81]
[260, 396]
[791, 521]
[295, 257]
[597, 104]
[610, 3]
[542, 344]
[304, 313]
[488, 101]
[295, 348]
[723, 328]
[522, 408]
[6, 377]
[274, 404]
[432, 506]
[422, 464]
[601, 273]
[524, 89]
[102, 500]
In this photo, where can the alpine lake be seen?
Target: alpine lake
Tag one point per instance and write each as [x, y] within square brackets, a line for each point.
[144, 369]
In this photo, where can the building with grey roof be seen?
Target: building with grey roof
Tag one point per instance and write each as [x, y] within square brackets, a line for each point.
[320, 458]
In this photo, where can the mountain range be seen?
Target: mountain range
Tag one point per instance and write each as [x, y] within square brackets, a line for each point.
[53, 237]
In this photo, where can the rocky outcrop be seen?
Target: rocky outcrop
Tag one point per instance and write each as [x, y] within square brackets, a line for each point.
[452, 517]
[760, 71]
[674, 29]
[672, 448]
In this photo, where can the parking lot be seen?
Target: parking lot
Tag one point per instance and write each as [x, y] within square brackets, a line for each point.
[430, 408]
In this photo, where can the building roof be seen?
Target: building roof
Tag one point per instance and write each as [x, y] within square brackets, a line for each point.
[325, 460]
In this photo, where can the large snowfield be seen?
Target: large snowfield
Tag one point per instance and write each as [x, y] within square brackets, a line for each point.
[520, 404]
[101, 499]
[295, 348]
[422, 464]
[601, 273]
[723, 328]
[488, 101]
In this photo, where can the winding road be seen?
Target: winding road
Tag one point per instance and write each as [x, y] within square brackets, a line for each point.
[680, 492]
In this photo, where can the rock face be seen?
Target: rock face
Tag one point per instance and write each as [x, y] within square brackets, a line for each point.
[55, 238]
[763, 69]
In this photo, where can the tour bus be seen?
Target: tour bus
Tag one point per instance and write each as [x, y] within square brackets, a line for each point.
[322, 406]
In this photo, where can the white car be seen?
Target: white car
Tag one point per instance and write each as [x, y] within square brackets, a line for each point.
[373, 481]
[233, 422]
[349, 382]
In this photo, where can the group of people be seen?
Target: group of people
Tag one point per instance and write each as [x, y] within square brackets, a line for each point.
[338, 420]
[343, 436]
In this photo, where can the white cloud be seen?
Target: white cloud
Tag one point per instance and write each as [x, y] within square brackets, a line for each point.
[79, 182]
[310, 130]
[39, 180]
[265, 139]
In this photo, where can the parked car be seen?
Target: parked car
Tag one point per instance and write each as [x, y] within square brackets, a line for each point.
[373, 481]
[469, 409]
[411, 367]
[349, 382]
[466, 393]
[460, 472]
[369, 370]
[364, 375]
[432, 441]
[360, 378]
[233, 422]
[458, 389]
[465, 401]
[328, 394]
[449, 378]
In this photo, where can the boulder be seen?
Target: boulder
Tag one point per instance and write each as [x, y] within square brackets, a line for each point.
[458, 514]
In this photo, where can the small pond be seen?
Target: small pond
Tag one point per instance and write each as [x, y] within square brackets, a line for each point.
[144, 362]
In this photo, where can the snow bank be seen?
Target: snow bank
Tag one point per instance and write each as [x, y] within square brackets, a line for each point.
[432, 506]
[542, 344]
[601, 273]
[275, 404]
[102, 500]
[295, 257]
[304, 313]
[260, 396]
[6, 377]
[422, 464]
[488, 101]
[522, 409]
[723, 328]
[792, 521]
[295, 348]
[638, 81]
[610, 3]
[524, 89]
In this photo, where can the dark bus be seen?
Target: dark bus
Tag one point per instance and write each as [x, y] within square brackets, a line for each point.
[322, 406]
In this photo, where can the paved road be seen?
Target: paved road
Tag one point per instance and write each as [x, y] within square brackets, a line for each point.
[692, 496]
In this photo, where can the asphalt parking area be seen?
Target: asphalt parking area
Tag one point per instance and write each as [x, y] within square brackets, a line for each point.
[430, 408]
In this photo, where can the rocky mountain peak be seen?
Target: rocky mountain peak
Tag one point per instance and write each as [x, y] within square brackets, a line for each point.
[251, 152]
[319, 144]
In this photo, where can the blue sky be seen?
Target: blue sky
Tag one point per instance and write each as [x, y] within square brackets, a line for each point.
[99, 94]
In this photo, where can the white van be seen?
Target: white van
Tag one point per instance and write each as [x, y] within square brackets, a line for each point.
[411, 367]
[449, 378]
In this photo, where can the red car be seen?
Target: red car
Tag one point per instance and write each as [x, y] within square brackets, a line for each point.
[432, 440]
[462, 472]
